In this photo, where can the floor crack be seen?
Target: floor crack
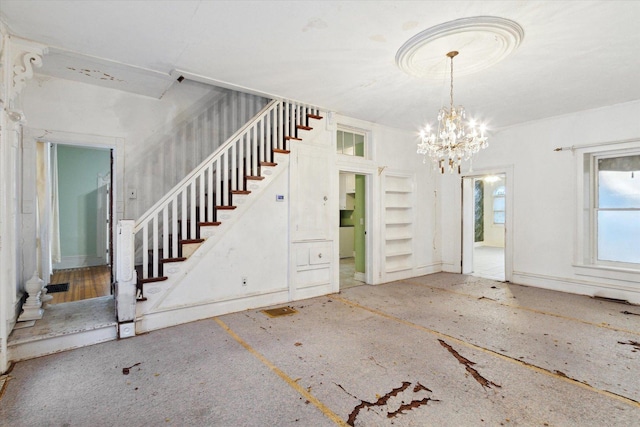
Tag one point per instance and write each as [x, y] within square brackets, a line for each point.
[383, 400]
[468, 366]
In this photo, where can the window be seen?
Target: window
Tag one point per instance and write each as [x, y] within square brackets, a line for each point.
[615, 209]
[498, 205]
[350, 143]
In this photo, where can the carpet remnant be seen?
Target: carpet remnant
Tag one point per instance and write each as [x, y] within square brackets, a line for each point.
[57, 287]
[467, 364]
[281, 311]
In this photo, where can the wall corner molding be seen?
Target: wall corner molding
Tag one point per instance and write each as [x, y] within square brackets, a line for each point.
[22, 57]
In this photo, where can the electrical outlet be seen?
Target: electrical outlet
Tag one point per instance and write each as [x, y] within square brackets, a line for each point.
[126, 330]
[244, 281]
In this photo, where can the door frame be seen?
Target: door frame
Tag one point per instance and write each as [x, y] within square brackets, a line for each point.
[368, 174]
[116, 147]
[467, 222]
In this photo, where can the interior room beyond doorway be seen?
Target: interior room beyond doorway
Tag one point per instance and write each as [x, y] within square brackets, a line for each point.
[352, 230]
[489, 221]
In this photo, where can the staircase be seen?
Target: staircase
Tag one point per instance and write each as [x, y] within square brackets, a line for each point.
[175, 228]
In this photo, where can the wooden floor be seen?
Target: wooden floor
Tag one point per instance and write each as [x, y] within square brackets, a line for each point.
[84, 283]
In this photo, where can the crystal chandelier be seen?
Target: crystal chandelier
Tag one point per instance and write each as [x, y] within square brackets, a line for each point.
[453, 141]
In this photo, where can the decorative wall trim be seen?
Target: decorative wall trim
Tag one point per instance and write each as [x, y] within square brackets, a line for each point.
[24, 55]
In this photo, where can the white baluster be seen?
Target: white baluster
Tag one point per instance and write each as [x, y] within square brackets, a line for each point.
[145, 251]
[156, 259]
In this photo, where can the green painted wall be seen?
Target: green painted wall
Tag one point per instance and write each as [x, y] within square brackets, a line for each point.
[359, 224]
[78, 170]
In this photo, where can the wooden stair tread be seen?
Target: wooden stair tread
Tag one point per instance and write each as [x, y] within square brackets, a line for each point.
[268, 164]
[314, 116]
[188, 241]
[205, 224]
[226, 208]
[254, 178]
[281, 151]
[289, 138]
[153, 279]
[240, 192]
[302, 127]
[168, 260]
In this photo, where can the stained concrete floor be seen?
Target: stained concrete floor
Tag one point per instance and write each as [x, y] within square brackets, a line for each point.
[443, 349]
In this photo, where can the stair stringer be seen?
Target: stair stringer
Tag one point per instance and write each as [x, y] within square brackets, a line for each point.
[252, 242]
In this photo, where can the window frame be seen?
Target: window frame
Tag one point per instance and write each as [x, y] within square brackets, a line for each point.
[493, 204]
[354, 131]
[594, 208]
[584, 263]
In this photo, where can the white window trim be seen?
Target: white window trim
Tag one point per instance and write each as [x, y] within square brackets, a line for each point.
[493, 210]
[585, 262]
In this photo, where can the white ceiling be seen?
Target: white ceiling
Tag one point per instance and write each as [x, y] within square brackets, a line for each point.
[340, 55]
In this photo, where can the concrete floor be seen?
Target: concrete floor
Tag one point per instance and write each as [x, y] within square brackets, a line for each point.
[347, 273]
[488, 262]
[443, 349]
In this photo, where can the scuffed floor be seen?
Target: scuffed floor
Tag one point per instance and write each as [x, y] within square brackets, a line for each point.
[442, 349]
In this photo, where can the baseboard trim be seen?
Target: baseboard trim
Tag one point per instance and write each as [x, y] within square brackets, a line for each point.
[580, 287]
[171, 317]
[423, 270]
[78, 261]
[41, 347]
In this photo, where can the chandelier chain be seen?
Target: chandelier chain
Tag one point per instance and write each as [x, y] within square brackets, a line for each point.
[451, 87]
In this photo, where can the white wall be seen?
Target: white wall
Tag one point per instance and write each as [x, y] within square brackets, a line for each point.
[157, 141]
[161, 142]
[394, 150]
[544, 197]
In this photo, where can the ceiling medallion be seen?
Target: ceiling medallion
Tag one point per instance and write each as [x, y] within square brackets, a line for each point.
[484, 40]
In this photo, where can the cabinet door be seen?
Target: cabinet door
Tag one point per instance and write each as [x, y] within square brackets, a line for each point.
[350, 183]
[343, 191]
[310, 190]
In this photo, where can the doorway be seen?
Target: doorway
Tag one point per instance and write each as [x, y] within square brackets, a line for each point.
[484, 226]
[352, 234]
[81, 207]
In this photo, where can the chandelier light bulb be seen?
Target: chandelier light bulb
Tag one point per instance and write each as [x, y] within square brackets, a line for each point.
[452, 142]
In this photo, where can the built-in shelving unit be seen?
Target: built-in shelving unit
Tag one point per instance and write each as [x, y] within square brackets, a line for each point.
[398, 222]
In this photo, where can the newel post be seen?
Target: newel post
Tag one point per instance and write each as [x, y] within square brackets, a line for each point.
[126, 279]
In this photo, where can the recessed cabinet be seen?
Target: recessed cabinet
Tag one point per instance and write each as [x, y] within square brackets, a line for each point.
[399, 222]
[347, 191]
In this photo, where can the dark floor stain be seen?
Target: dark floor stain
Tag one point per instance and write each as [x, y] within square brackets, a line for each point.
[629, 312]
[634, 344]
[409, 406]
[125, 371]
[383, 400]
[468, 366]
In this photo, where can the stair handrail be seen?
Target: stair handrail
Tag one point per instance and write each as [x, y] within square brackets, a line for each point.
[169, 196]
